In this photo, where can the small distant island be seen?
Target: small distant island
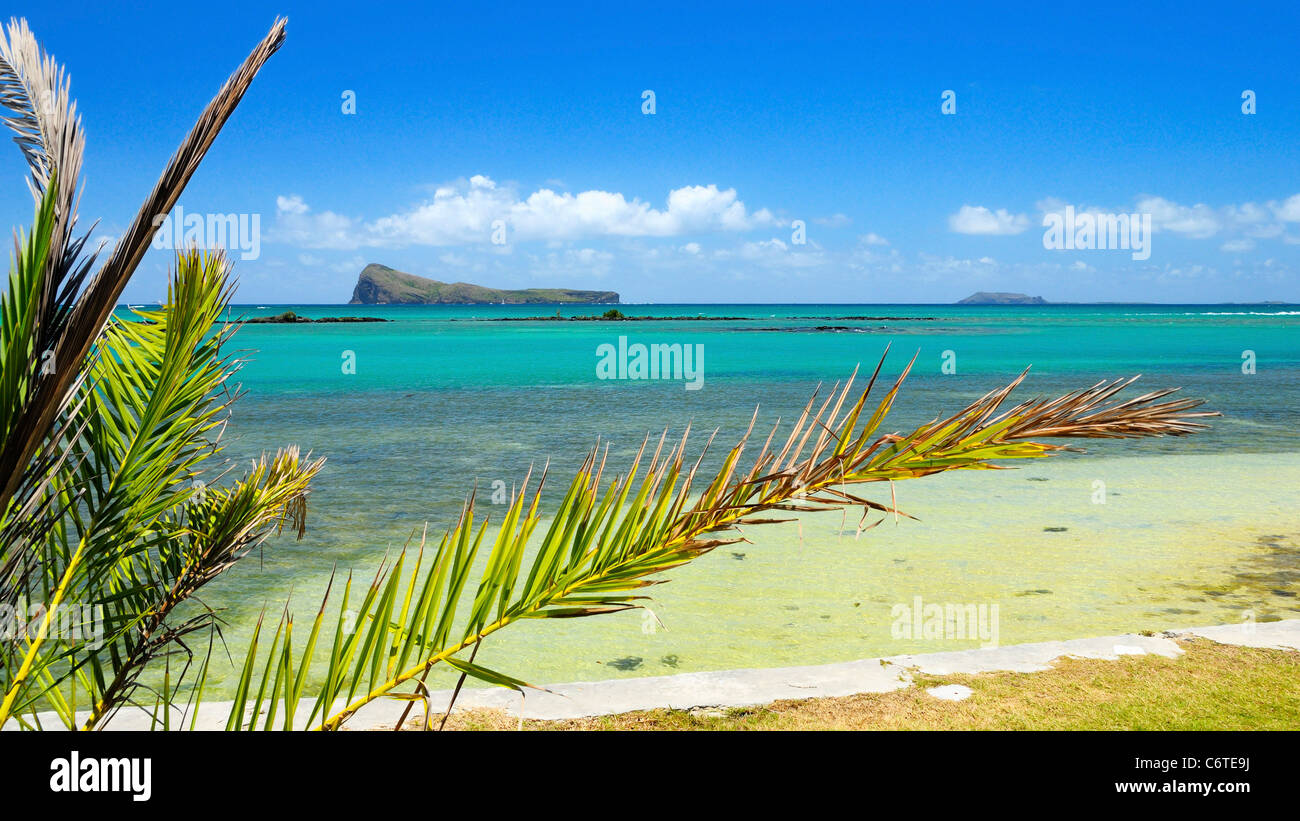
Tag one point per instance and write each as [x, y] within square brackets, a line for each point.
[381, 285]
[1001, 298]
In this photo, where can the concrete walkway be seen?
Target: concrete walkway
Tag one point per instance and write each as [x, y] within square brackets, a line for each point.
[743, 688]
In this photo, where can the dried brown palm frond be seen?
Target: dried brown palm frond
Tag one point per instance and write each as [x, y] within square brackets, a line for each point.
[43, 114]
[35, 90]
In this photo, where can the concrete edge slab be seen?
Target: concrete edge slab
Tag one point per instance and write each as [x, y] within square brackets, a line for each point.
[746, 688]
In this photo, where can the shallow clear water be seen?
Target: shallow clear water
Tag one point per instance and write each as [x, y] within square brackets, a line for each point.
[1193, 531]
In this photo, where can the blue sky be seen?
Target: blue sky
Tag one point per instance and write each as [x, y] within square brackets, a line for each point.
[765, 115]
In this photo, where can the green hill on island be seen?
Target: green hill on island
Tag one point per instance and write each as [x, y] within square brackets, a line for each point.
[1001, 298]
[381, 285]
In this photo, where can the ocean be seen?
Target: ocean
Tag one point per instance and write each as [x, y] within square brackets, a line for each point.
[414, 413]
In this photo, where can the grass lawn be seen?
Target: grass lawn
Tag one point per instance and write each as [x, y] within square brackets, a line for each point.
[1210, 687]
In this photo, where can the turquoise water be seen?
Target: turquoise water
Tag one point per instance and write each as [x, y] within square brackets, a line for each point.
[1192, 531]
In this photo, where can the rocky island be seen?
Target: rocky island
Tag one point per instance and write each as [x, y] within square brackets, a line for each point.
[1001, 298]
[381, 285]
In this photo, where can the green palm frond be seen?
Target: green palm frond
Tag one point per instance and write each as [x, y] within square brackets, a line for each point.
[139, 538]
[21, 366]
[106, 425]
[33, 88]
[605, 545]
[206, 539]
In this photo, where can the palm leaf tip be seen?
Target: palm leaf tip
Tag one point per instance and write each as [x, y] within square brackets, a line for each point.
[1093, 413]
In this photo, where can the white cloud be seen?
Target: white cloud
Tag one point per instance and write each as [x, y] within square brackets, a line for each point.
[291, 204]
[1241, 222]
[1256, 220]
[774, 254]
[1288, 210]
[590, 256]
[582, 262]
[295, 225]
[1196, 221]
[976, 219]
[873, 239]
[761, 248]
[464, 213]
